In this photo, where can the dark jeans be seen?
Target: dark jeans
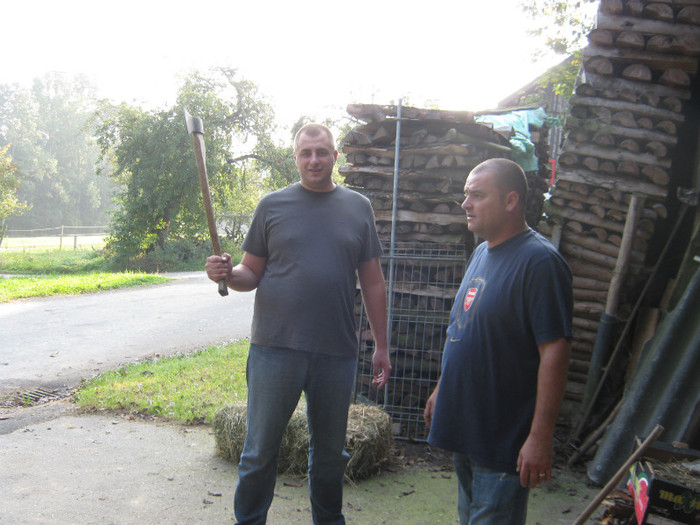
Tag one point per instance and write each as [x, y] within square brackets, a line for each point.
[276, 379]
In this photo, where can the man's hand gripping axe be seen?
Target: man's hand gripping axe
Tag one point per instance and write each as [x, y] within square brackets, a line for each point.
[196, 129]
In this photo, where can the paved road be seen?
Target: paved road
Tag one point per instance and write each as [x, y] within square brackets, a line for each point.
[63, 467]
[58, 341]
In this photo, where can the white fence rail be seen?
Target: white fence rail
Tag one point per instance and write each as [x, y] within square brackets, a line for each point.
[57, 237]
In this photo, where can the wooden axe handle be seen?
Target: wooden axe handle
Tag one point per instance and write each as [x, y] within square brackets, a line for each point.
[199, 153]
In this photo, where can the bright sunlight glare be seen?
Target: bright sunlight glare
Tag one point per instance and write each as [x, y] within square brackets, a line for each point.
[307, 57]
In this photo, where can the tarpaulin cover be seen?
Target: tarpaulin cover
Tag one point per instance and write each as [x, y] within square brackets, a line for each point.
[520, 121]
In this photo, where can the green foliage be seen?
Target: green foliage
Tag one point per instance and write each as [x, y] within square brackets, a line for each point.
[159, 200]
[9, 204]
[560, 79]
[45, 129]
[277, 163]
[563, 77]
[562, 25]
[158, 194]
[187, 388]
[179, 255]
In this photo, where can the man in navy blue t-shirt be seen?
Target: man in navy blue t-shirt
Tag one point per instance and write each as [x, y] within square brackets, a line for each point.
[506, 356]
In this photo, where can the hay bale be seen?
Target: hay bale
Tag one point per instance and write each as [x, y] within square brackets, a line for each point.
[294, 450]
[368, 439]
[229, 431]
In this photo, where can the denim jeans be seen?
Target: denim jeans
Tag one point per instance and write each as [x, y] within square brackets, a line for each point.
[276, 379]
[488, 497]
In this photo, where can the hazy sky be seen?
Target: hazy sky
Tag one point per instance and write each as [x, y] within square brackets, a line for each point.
[307, 57]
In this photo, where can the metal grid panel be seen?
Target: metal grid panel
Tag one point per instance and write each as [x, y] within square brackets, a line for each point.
[426, 277]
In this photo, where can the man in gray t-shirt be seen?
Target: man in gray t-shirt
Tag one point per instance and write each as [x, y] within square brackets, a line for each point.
[306, 247]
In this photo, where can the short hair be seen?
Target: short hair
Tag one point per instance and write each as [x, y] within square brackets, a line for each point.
[508, 176]
[313, 130]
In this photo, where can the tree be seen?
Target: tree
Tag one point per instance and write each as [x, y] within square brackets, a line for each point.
[45, 128]
[159, 199]
[9, 204]
[563, 27]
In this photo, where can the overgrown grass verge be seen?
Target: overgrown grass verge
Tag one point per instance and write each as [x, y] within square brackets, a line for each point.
[43, 273]
[41, 262]
[186, 388]
[48, 285]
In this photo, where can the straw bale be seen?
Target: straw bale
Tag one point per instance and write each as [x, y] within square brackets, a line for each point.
[368, 440]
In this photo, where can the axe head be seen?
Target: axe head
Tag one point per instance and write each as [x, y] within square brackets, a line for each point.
[194, 124]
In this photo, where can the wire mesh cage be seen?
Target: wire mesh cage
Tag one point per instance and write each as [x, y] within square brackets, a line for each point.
[424, 279]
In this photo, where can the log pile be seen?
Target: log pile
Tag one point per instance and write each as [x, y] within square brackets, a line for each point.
[621, 133]
[437, 151]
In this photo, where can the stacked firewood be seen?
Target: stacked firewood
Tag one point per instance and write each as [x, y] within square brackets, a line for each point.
[437, 150]
[622, 129]
[424, 285]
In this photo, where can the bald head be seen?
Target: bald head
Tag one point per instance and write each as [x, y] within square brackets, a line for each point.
[495, 194]
[507, 176]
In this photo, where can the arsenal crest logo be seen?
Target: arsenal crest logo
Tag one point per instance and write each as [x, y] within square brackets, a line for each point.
[469, 297]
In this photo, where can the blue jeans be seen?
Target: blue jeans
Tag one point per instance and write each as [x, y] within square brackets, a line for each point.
[276, 379]
[488, 497]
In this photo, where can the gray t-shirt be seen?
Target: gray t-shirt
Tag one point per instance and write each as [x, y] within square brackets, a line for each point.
[313, 242]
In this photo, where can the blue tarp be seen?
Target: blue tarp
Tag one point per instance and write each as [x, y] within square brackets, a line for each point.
[520, 121]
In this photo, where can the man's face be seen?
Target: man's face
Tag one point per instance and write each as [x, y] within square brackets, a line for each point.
[314, 158]
[484, 205]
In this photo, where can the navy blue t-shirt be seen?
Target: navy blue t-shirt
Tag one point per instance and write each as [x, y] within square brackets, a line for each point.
[513, 297]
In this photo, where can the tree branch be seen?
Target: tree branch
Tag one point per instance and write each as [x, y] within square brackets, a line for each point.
[246, 157]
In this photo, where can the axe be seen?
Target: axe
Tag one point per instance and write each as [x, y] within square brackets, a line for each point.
[196, 129]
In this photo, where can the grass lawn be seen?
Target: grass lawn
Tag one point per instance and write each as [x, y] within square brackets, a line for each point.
[51, 261]
[52, 272]
[188, 388]
[48, 285]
